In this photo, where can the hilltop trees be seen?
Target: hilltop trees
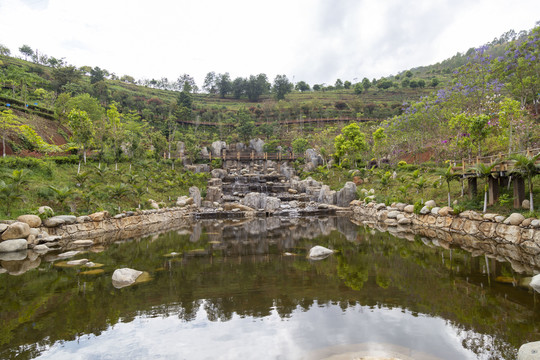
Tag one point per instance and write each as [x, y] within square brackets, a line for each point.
[282, 86]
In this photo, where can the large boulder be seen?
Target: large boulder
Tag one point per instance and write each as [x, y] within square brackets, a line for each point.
[68, 219]
[256, 145]
[319, 252]
[233, 206]
[430, 204]
[45, 210]
[313, 159]
[254, 200]
[99, 216]
[272, 203]
[346, 195]
[13, 245]
[33, 221]
[218, 173]
[125, 277]
[327, 196]
[529, 351]
[17, 230]
[217, 146]
[53, 222]
[182, 201]
[195, 193]
[214, 194]
[514, 219]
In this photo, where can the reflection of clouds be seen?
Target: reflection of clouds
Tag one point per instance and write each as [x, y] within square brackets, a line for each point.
[269, 337]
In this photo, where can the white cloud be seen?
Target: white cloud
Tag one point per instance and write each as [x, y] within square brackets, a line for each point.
[316, 41]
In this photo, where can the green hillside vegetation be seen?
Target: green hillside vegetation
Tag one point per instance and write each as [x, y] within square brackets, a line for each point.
[479, 103]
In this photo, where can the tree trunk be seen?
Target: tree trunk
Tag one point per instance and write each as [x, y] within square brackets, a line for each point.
[485, 201]
[449, 201]
[531, 205]
[84, 154]
[3, 145]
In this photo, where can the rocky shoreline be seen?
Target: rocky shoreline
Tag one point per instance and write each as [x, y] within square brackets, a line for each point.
[513, 238]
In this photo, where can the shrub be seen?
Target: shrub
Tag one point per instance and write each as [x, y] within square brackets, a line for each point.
[418, 206]
[401, 163]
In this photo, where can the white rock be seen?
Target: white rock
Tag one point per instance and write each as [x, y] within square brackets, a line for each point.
[124, 277]
[529, 351]
[430, 203]
[41, 248]
[535, 223]
[393, 214]
[77, 262]
[535, 283]
[435, 210]
[514, 219]
[425, 210]
[13, 245]
[83, 242]
[319, 252]
[404, 221]
[409, 209]
[68, 254]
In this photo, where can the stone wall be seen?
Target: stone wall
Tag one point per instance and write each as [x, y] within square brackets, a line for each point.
[511, 238]
[103, 228]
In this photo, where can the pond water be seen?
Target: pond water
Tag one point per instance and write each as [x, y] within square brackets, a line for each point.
[234, 292]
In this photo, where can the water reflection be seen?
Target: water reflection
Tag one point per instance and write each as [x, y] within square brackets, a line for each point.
[232, 293]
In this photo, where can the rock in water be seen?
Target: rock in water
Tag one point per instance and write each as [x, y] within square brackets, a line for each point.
[319, 252]
[124, 277]
[529, 351]
[535, 283]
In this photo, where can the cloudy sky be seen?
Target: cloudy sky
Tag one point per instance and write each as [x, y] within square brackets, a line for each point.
[316, 41]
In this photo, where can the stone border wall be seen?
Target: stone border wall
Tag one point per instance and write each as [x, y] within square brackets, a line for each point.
[511, 238]
[102, 228]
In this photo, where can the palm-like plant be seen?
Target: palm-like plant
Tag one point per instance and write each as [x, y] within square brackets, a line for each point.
[448, 176]
[526, 167]
[421, 183]
[483, 171]
[9, 194]
[61, 194]
[118, 192]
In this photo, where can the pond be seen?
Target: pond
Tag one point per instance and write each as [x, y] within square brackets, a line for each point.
[239, 289]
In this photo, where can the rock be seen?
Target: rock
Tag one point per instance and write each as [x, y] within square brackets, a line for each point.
[68, 219]
[527, 222]
[409, 209]
[20, 267]
[77, 262]
[272, 203]
[445, 211]
[380, 206]
[45, 210]
[41, 247]
[425, 210]
[514, 219]
[217, 146]
[430, 204]
[17, 230]
[13, 245]
[319, 252]
[219, 173]
[529, 351]
[526, 204]
[68, 254]
[404, 221]
[499, 218]
[153, 204]
[53, 222]
[83, 242]
[236, 207]
[254, 200]
[195, 193]
[119, 216]
[490, 217]
[346, 195]
[124, 277]
[3, 227]
[292, 191]
[392, 214]
[99, 216]
[50, 238]
[401, 206]
[535, 283]
[327, 196]
[435, 211]
[214, 194]
[535, 223]
[182, 201]
[256, 145]
[33, 221]
[83, 219]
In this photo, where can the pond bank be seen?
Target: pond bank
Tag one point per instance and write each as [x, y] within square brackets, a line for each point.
[513, 238]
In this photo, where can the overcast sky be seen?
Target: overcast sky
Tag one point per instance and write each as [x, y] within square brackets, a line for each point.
[316, 41]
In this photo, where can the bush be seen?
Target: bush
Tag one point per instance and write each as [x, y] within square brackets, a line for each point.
[458, 209]
[401, 163]
[418, 206]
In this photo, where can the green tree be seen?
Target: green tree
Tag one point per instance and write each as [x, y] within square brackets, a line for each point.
[4, 50]
[224, 84]
[282, 86]
[8, 123]
[526, 167]
[209, 84]
[61, 194]
[27, 51]
[65, 75]
[239, 87]
[302, 86]
[338, 84]
[82, 129]
[366, 84]
[358, 88]
[116, 129]
[350, 142]
[97, 74]
[13, 191]
[299, 145]
[510, 113]
[256, 86]
[448, 176]
[379, 141]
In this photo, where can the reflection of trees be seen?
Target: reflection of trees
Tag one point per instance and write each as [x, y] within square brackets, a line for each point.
[59, 304]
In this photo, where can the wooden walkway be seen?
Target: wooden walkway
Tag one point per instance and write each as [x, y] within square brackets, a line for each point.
[464, 167]
[281, 122]
[252, 156]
